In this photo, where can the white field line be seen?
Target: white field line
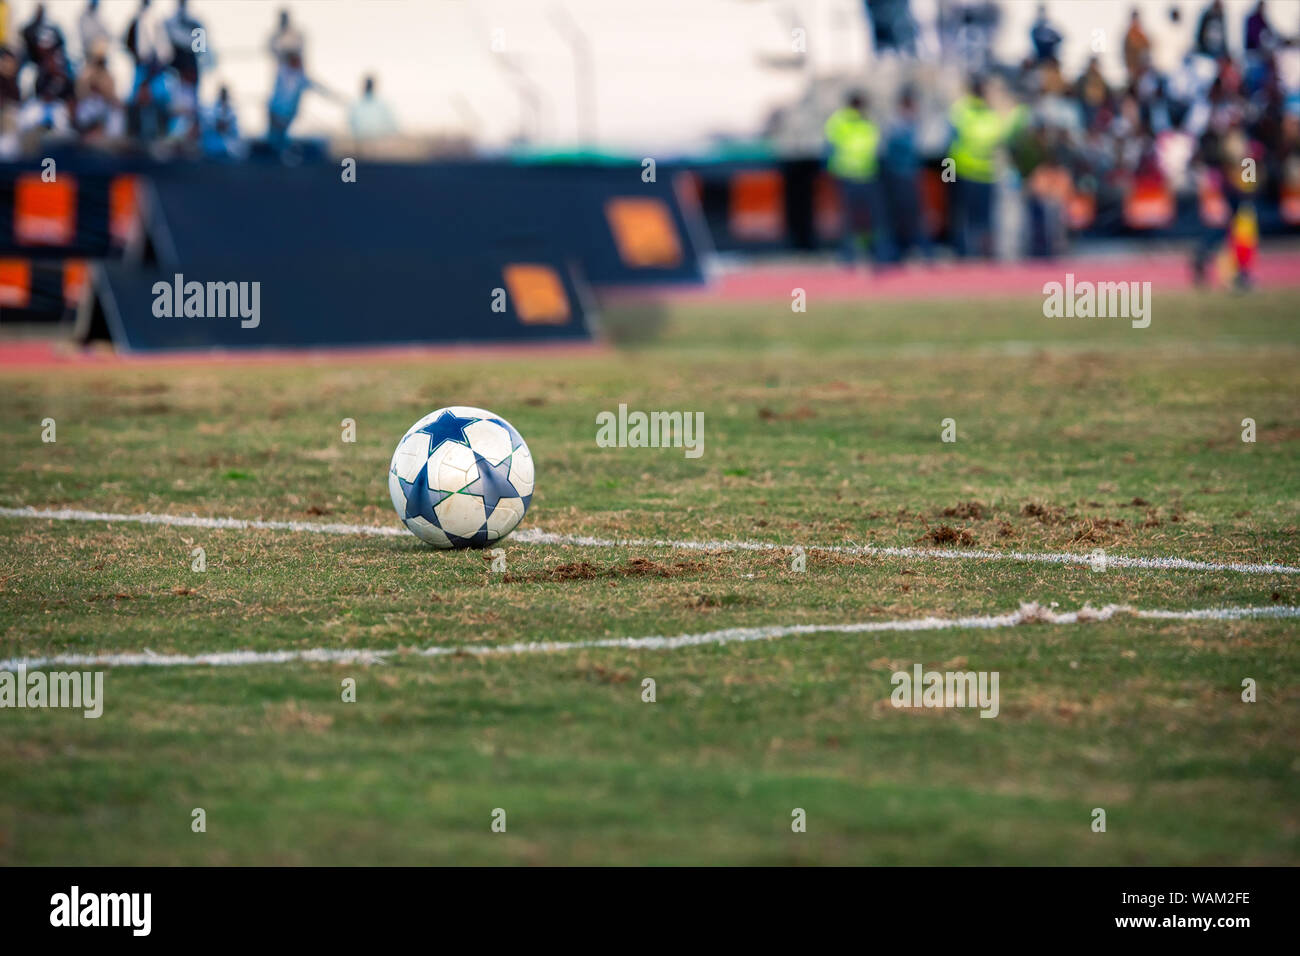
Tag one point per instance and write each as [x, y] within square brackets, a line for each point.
[537, 536]
[1027, 614]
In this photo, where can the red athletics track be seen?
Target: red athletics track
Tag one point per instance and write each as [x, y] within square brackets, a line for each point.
[1278, 268]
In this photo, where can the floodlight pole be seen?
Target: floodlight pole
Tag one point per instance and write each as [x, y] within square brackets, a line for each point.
[530, 97]
[584, 73]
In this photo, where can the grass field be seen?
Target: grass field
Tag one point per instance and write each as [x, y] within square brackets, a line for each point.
[820, 429]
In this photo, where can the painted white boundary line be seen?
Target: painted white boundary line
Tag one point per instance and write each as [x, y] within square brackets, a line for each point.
[1027, 614]
[536, 536]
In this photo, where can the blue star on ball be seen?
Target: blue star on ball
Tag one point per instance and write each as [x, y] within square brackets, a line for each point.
[446, 427]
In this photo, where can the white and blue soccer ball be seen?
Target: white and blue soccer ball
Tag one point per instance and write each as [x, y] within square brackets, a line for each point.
[461, 478]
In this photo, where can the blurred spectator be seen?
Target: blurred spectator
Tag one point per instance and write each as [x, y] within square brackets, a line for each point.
[1137, 48]
[99, 113]
[370, 117]
[892, 26]
[1037, 152]
[1093, 93]
[978, 132]
[1212, 31]
[10, 92]
[975, 29]
[286, 41]
[291, 81]
[41, 37]
[46, 114]
[10, 102]
[181, 27]
[1045, 37]
[220, 129]
[147, 42]
[92, 32]
[184, 33]
[1260, 35]
[44, 47]
[1220, 163]
[4, 23]
[900, 167]
[854, 162]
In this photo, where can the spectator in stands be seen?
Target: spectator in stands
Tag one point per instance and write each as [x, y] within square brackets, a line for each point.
[92, 32]
[1045, 37]
[40, 35]
[1261, 38]
[900, 167]
[44, 47]
[1212, 31]
[46, 114]
[99, 113]
[10, 101]
[892, 27]
[969, 29]
[291, 81]
[854, 162]
[370, 117]
[181, 27]
[1093, 93]
[10, 92]
[147, 42]
[1137, 48]
[184, 34]
[220, 126]
[287, 40]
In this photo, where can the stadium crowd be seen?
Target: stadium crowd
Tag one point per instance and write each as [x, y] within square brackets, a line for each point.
[1223, 125]
[46, 94]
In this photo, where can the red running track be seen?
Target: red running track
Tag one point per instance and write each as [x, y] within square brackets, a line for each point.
[1166, 272]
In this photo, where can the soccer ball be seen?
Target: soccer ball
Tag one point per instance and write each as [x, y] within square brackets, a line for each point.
[461, 478]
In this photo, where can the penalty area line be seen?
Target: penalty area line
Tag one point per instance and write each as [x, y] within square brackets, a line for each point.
[537, 536]
[1032, 613]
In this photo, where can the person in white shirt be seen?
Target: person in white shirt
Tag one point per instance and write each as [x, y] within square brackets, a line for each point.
[93, 33]
[370, 117]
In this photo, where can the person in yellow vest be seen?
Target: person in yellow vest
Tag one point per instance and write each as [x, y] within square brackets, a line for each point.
[855, 163]
[978, 131]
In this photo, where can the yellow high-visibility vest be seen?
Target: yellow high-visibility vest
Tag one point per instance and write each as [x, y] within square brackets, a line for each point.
[979, 132]
[855, 142]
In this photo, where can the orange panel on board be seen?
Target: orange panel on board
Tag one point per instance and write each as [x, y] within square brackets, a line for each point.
[537, 294]
[15, 283]
[45, 214]
[644, 232]
[123, 208]
[757, 208]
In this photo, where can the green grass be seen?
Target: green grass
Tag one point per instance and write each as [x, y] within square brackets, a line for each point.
[822, 428]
